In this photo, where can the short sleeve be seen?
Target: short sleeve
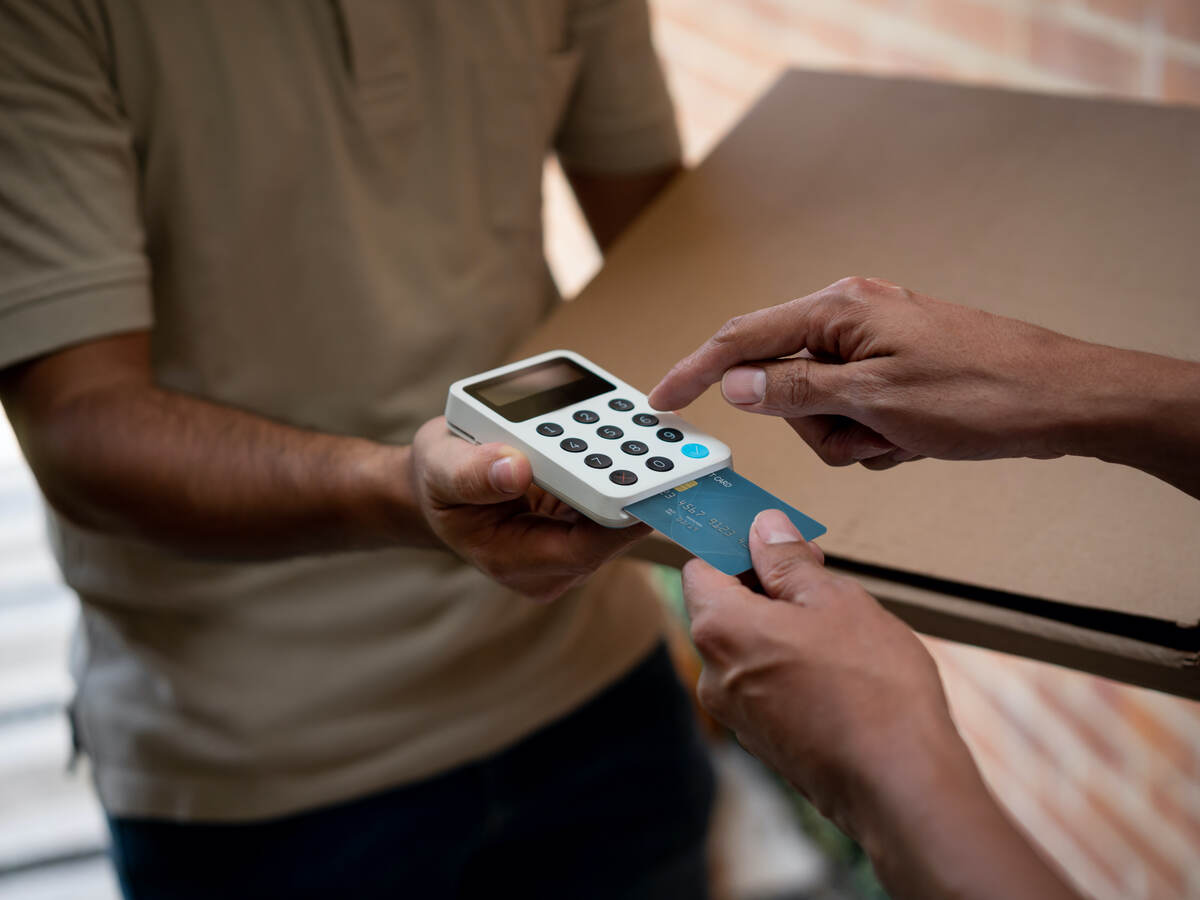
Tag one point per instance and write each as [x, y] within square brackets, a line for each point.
[620, 118]
[72, 261]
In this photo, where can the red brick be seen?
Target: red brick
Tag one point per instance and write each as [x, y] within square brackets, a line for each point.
[1148, 724]
[899, 6]
[1180, 18]
[1103, 743]
[841, 39]
[1072, 823]
[1157, 864]
[1165, 797]
[1127, 10]
[893, 61]
[1064, 50]
[988, 27]
[1183, 19]
[1181, 82]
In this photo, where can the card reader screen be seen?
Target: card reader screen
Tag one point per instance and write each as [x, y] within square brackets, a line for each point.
[539, 389]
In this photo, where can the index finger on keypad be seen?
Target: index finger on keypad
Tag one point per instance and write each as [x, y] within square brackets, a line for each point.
[766, 334]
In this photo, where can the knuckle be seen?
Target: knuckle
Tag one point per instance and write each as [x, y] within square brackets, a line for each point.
[875, 386]
[730, 331]
[848, 589]
[534, 587]
[797, 386]
[785, 570]
[847, 443]
[492, 567]
[854, 285]
[843, 585]
[429, 431]
[833, 452]
[888, 290]
[880, 463]
[467, 482]
[794, 574]
[583, 568]
[710, 692]
[839, 592]
[709, 635]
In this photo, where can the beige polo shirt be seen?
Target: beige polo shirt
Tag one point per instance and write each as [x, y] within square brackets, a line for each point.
[326, 212]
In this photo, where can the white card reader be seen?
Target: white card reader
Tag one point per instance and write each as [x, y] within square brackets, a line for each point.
[592, 440]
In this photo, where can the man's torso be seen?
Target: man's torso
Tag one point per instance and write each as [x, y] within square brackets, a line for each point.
[341, 212]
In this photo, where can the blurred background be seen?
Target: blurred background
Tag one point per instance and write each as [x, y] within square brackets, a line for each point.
[1105, 777]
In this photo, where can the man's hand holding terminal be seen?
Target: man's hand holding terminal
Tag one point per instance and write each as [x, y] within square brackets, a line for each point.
[482, 503]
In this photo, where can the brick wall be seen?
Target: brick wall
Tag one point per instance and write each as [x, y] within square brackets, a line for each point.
[716, 48]
[1104, 776]
[1145, 49]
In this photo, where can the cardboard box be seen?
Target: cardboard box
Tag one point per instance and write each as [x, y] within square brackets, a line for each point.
[1079, 215]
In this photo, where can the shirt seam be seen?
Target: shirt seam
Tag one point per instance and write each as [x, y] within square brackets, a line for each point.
[16, 299]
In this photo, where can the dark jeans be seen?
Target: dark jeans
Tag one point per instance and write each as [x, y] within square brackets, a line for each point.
[610, 801]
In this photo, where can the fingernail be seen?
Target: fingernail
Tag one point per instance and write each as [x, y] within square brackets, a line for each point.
[776, 528]
[745, 384]
[503, 475]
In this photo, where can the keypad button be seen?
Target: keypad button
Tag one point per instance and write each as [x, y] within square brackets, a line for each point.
[620, 404]
[622, 477]
[695, 451]
[634, 448]
[549, 429]
[573, 445]
[586, 416]
[597, 460]
[670, 435]
[610, 432]
[645, 420]
[659, 464]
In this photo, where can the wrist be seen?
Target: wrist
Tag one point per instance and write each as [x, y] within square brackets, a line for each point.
[1126, 405]
[379, 497]
[916, 807]
[932, 829]
[900, 775]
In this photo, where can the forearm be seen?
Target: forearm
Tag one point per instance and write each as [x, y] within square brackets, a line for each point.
[934, 831]
[1140, 410]
[610, 203]
[212, 481]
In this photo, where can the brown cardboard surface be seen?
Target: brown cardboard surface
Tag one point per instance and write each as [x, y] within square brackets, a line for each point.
[1083, 216]
[1109, 650]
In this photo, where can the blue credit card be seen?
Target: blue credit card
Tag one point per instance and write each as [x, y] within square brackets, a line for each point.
[711, 517]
